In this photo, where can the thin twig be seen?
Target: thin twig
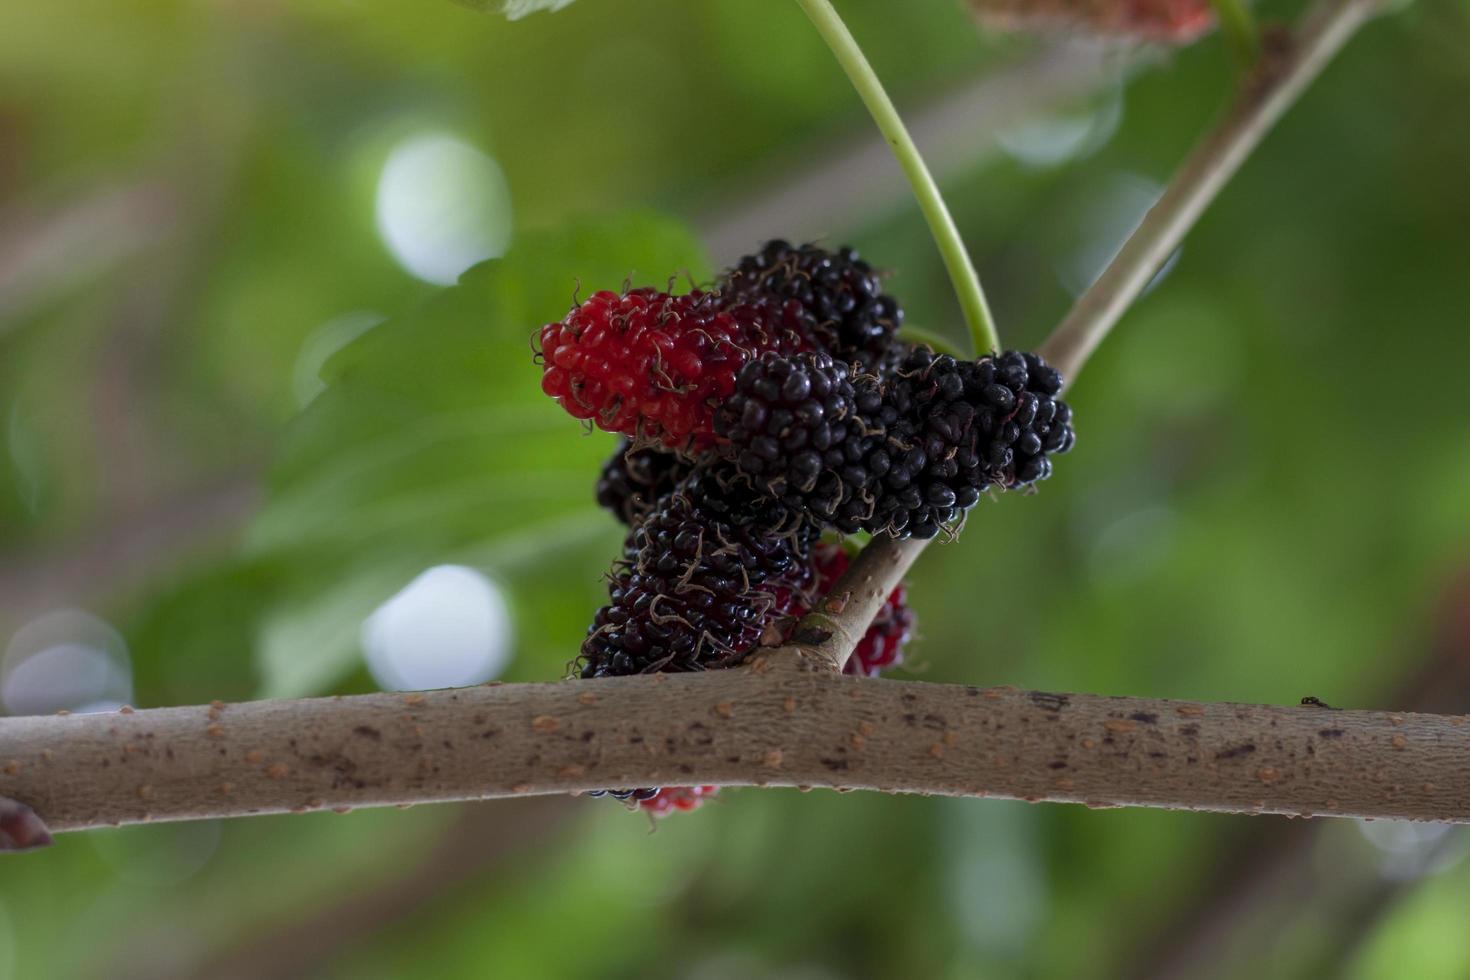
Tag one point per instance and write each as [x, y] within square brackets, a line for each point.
[825, 638]
[1284, 70]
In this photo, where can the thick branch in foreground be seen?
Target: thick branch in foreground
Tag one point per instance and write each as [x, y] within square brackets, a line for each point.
[771, 724]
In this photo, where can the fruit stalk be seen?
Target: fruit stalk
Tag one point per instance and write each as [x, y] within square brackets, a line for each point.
[941, 224]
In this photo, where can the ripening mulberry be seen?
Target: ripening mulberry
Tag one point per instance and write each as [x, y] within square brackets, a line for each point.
[677, 798]
[1165, 21]
[696, 588]
[634, 481]
[833, 300]
[653, 366]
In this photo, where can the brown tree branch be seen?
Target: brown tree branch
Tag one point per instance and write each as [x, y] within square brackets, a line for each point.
[769, 724]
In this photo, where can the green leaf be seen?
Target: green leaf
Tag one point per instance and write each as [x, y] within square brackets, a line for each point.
[433, 444]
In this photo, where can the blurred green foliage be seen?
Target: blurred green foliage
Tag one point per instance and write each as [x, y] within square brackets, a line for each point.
[432, 442]
[1270, 498]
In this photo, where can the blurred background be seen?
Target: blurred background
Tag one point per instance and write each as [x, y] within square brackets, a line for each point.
[254, 447]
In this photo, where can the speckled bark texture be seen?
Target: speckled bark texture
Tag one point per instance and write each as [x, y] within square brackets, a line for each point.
[770, 724]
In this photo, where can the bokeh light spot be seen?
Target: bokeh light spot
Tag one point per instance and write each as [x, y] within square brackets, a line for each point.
[1050, 141]
[1410, 850]
[66, 660]
[442, 206]
[449, 627]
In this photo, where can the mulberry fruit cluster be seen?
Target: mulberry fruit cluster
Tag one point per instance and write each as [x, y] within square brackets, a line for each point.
[757, 415]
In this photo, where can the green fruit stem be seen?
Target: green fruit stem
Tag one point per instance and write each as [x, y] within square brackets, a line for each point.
[941, 224]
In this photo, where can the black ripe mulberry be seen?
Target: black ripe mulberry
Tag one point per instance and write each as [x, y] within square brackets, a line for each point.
[906, 454]
[833, 300]
[634, 481]
[956, 428]
[792, 427]
[698, 587]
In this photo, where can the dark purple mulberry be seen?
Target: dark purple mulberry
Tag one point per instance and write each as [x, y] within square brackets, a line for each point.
[696, 587]
[832, 300]
[792, 426]
[956, 428]
[906, 454]
[634, 481]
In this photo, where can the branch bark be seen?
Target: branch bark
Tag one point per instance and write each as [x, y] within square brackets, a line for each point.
[772, 723]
